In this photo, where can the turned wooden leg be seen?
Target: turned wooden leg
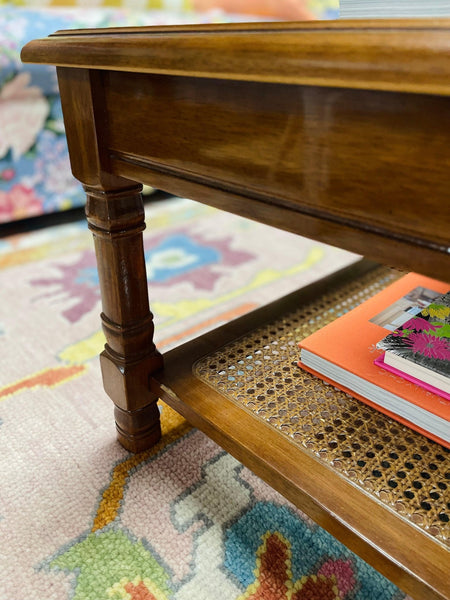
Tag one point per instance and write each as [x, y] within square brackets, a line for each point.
[116, 219]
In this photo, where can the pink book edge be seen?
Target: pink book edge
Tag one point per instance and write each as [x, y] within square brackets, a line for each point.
[379, 361]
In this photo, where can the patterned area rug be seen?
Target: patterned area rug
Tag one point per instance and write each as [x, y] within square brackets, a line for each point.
[81, 518]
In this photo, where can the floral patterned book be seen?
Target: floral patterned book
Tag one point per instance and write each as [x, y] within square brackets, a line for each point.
[420, 347]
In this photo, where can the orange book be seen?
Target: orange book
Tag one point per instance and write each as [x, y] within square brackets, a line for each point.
[343, 353]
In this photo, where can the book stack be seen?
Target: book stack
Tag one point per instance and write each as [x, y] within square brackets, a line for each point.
[392, 353]
[368, 9]
[419, 349]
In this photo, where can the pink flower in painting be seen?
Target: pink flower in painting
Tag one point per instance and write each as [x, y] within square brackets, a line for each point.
[429, 345]
[23, 111]
[19, 202]
[8, 174]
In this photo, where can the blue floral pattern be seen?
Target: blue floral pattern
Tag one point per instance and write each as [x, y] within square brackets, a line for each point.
[35, 175]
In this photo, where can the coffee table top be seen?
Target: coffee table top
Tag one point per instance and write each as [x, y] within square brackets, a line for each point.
[396, 55]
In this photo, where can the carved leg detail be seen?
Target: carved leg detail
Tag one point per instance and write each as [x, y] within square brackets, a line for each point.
[116, 219]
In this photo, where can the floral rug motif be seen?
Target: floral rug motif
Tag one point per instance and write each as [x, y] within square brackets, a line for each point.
[218, 533]
[81, 518]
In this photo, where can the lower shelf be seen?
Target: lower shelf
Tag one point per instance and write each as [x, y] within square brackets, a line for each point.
[377, 486]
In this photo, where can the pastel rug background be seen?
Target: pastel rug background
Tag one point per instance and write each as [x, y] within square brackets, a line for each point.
[81, 518]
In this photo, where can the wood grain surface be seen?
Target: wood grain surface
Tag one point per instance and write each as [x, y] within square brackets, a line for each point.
[386, 55]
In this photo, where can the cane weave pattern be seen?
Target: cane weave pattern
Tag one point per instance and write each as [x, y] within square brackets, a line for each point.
[401, 468]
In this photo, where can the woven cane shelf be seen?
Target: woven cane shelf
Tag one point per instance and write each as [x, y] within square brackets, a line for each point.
[377, 486]
[403, 469]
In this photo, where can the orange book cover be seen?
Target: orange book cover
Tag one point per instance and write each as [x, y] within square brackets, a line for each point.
[349, 343]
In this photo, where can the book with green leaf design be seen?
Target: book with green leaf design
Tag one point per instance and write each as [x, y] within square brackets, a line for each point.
[420, 347]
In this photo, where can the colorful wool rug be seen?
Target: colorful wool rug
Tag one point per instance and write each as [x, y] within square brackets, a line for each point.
[81, 518]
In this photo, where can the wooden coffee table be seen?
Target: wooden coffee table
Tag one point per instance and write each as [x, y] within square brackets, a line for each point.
[339, 131]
